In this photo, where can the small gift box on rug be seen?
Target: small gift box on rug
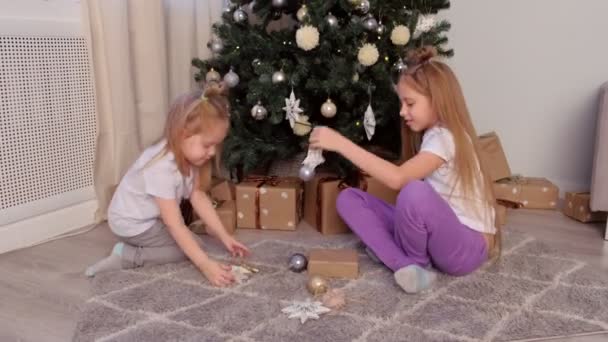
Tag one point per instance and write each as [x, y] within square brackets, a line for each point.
[577, 207]
[269, 203]
[321, 194]
[528, 192]
[334, 263]
[223, 201]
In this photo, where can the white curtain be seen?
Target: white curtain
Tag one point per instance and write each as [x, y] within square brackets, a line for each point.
[141, 55]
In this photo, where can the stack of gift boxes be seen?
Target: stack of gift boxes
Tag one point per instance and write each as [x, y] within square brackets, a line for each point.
[274, 203]
[529, 192]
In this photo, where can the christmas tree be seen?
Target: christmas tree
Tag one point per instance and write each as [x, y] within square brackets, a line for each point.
[293, 65]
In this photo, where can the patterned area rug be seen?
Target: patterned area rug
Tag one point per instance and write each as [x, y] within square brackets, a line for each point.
[532, 292]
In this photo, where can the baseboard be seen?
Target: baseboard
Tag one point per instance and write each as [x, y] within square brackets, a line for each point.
[41, 228]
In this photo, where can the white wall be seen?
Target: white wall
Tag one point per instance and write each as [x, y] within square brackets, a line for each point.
[60, 10]
[531, 71]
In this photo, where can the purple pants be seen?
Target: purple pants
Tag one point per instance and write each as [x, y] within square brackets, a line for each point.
[420, 229]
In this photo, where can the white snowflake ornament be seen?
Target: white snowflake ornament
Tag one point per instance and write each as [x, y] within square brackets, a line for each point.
[425, 24]
[240, 273]
[305, 310]
[292, 109]
[369, 122]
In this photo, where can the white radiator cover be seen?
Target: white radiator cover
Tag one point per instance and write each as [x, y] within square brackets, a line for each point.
[48, 132]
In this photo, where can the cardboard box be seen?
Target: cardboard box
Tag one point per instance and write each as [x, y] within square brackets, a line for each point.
[528, 192]
[226, 211]
[577, 207]
[493, 156]
[378, 189]
[321, 194]
[269, 203]
[334, 263]
[222, 195]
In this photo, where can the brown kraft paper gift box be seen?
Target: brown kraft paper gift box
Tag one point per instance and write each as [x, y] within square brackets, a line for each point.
[334, 263]
[222, 195]
[321, 194]
[577, 207]
[269, 203]
[493, 156]
[528, 192]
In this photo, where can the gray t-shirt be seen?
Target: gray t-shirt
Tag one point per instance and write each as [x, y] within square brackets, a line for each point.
[133, 209]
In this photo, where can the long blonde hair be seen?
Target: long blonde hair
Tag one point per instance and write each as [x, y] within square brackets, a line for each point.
[195, 113]
[437, 81]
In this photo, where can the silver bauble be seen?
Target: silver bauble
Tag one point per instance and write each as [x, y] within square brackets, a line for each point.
[239, 16]
[328, 109]
[213, 76]
[259, 112]
[381, 29]
[279, 3]
[370, 23]
[332, 21]
[279, 77]
[364, 6]
[297, 262]
[399, 66]
[256, 63]
[302, 13]
[307, 173]
[216, 46]
[231, 79]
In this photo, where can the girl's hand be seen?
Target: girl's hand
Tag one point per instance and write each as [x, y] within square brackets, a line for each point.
[219, 275]
[236, 248]
[326, 139]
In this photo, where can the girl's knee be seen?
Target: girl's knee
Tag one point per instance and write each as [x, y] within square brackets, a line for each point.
[412, 192]
[348, 199]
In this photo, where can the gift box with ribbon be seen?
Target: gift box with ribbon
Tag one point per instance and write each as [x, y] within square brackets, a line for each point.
[222, 195]
[322, 192]
[527, 192]
[269, 203]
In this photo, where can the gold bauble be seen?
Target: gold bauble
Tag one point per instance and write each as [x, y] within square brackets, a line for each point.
[317, 285]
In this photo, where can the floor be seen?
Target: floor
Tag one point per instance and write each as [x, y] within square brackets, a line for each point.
[42, 287]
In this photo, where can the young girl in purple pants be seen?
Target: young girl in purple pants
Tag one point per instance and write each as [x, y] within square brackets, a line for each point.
[444, 215]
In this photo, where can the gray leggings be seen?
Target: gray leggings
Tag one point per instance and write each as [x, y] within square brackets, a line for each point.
[155, 246]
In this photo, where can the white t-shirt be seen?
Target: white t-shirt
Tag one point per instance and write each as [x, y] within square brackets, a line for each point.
[133, 209]
[440, 141]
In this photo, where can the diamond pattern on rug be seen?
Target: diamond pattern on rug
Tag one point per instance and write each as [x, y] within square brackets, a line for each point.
[531, 292]
[586, 302]
[330, 327]
[161, 296]
[456, 316]
[531, 324]
[231, 314]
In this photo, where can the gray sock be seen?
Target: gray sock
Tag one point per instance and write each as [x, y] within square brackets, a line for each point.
[413, 278]
[113, 262]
